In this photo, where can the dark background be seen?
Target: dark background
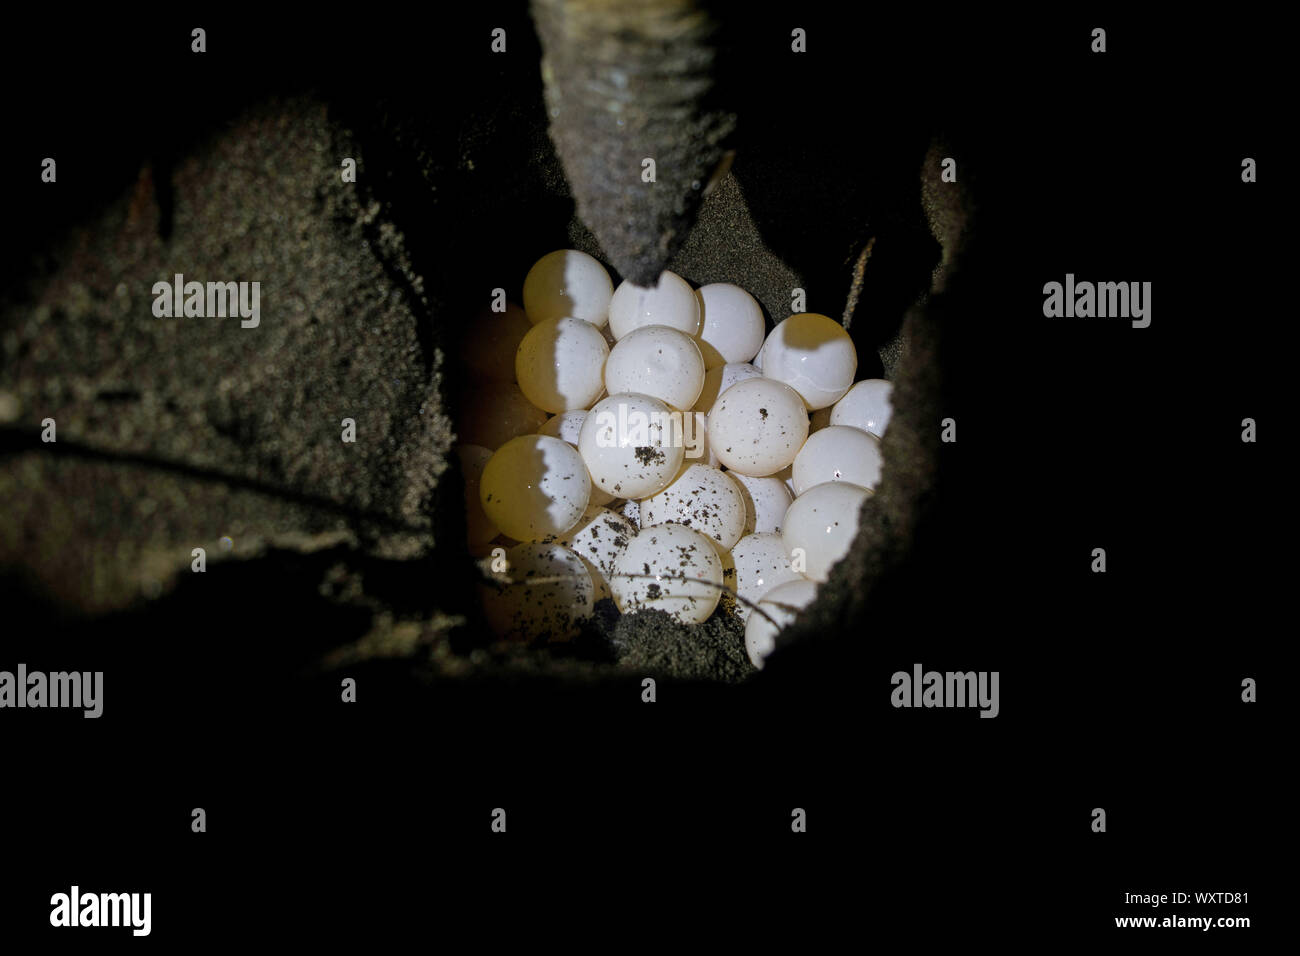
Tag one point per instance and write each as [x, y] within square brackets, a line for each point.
[1119, 691]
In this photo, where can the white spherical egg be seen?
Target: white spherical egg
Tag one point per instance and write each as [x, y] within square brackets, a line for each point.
[544, 593]
[479, 529]
[702, 498]
[560, 363]
[657, 361]
[758, 426]
[866, 405]
[779, 607]
[493, 413]
[670, 568]
[599, 538]
[567, 426]
[671, 302]
[820, 526]
[813, 354]
[766, 502]
[838, 453]
[489, 344]
[534, 486]
[731, 324]
[567, 283]
[761, 565]
[631, 445]
[718, 380]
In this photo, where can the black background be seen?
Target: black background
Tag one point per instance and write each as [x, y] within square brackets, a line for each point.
[629, 822]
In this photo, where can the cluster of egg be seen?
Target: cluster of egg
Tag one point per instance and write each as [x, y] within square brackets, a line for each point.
[654, 446]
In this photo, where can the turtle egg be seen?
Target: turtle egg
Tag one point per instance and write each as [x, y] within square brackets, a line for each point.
[534, 486]
[567, 283]
[544, 593]
[702, 498]
[657, 361]
[813, 354]
[718, 380]
[567, 426]
[761, 565]
[671, 302]
[629, 443]
[489, 344]
[820, 526]
[758, 426]
[838, 453]
[866, 405]
[766, 502]
[669, 568]
[731, 324]
[599, 538]
[559, 364]
[781, 605]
